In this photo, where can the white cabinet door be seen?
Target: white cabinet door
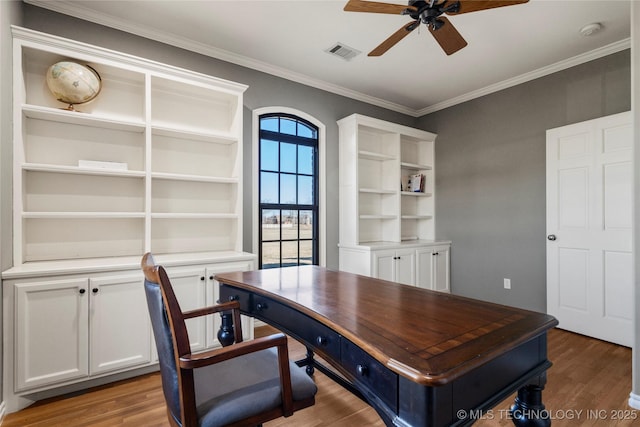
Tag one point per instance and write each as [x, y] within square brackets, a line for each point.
[405, 266]
[51, 332]
[425, 268]
[384, 265]
[441, 274]
[433, 268]
[189, 285]
[119, 321]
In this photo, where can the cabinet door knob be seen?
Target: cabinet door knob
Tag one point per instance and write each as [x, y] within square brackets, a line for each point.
[95, 290]
[202, 278]
[551, 237]
[210, 277]
[82, 291]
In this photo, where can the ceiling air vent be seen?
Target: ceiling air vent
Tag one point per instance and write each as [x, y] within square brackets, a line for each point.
[343, 51]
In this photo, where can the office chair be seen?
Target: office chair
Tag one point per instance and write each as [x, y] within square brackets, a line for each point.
[244, 384]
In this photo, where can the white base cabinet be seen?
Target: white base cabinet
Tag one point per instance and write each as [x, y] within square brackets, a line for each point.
[72, 327]
[395, 265]
[76, 325]
[420, 263]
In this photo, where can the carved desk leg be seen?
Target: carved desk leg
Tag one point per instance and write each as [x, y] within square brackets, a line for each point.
[528, 410]
[225, 334]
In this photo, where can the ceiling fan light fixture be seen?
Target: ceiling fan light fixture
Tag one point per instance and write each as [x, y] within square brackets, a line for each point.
[591, 29]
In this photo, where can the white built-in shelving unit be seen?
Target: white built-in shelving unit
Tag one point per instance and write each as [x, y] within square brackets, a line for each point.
[153, 163]
[379, 213]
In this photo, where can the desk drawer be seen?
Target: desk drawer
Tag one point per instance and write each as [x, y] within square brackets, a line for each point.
[228, 293]
[372, 374]
[314, 334]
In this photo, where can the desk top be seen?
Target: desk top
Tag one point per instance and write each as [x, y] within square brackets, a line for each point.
[430, 337]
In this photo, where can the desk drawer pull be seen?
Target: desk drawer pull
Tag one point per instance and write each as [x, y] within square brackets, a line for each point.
[362, 370]
[321, 341]
[261, 306]
[234, 297]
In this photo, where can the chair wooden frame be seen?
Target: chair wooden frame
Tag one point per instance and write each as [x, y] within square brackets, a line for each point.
[186, 361]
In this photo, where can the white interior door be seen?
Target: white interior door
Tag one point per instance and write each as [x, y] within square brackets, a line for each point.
[589, 228]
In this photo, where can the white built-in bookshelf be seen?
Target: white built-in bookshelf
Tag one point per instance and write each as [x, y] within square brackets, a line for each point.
[387, 230]
[152, 164]
[374, 157]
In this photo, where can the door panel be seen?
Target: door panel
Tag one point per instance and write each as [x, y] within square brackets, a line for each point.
[589, 224]
[118, 304]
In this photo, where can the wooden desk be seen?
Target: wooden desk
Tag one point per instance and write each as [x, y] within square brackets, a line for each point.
[420, 358]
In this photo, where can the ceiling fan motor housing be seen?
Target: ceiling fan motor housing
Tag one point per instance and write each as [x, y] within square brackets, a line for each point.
[428, 11]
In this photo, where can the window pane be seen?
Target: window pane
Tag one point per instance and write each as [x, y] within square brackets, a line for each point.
[305, 190]
[289, 225]
[289, 253]
[268, 155]
[287, 126]
[306, 224]
[288, 157]
[287, 188]
[270, 123]
[305, 160]
[270, 225]
[271, 255]
[306, 252]
[268, 187]
[306, 131]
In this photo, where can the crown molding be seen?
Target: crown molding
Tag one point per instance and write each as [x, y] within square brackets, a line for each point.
[78, 11]
[532, 75]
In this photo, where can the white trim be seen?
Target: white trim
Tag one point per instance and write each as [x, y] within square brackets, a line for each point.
[532, 75]
[322, 176]
[78, 11]
[3, 411]
[634, 400]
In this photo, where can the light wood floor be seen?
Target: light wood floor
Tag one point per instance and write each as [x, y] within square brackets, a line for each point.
[588, 375]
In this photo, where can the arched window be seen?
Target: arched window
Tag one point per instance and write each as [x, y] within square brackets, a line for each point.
[288, 191]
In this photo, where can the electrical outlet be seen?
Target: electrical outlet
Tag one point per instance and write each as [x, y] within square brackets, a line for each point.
[507, 283]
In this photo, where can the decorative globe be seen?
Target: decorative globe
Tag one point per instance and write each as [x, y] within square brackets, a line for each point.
[73, 83]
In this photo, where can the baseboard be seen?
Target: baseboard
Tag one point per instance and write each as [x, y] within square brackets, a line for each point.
[3, 411]
[634, 400]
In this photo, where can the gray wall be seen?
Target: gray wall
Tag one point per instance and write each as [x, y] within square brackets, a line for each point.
[490, 175]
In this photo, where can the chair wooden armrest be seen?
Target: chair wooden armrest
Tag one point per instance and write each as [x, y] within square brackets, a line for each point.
[224, 306]
[278, 340]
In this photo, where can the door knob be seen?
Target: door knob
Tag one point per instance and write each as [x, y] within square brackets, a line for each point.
[551, 237]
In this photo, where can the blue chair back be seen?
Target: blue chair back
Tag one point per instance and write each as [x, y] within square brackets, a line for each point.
[164, 344]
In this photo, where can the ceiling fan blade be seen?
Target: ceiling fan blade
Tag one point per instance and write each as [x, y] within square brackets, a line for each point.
[467, 6]
[376, 7]
[394, 38]
[448, 37]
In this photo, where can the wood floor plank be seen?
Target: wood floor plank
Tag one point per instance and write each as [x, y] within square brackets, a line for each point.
[588, 385]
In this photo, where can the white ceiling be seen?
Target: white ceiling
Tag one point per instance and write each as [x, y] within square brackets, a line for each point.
[507, 45]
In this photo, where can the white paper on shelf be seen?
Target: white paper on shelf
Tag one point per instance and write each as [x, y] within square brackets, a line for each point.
[95, 164]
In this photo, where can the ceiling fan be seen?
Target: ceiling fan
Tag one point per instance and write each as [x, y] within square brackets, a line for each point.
[430, 13]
